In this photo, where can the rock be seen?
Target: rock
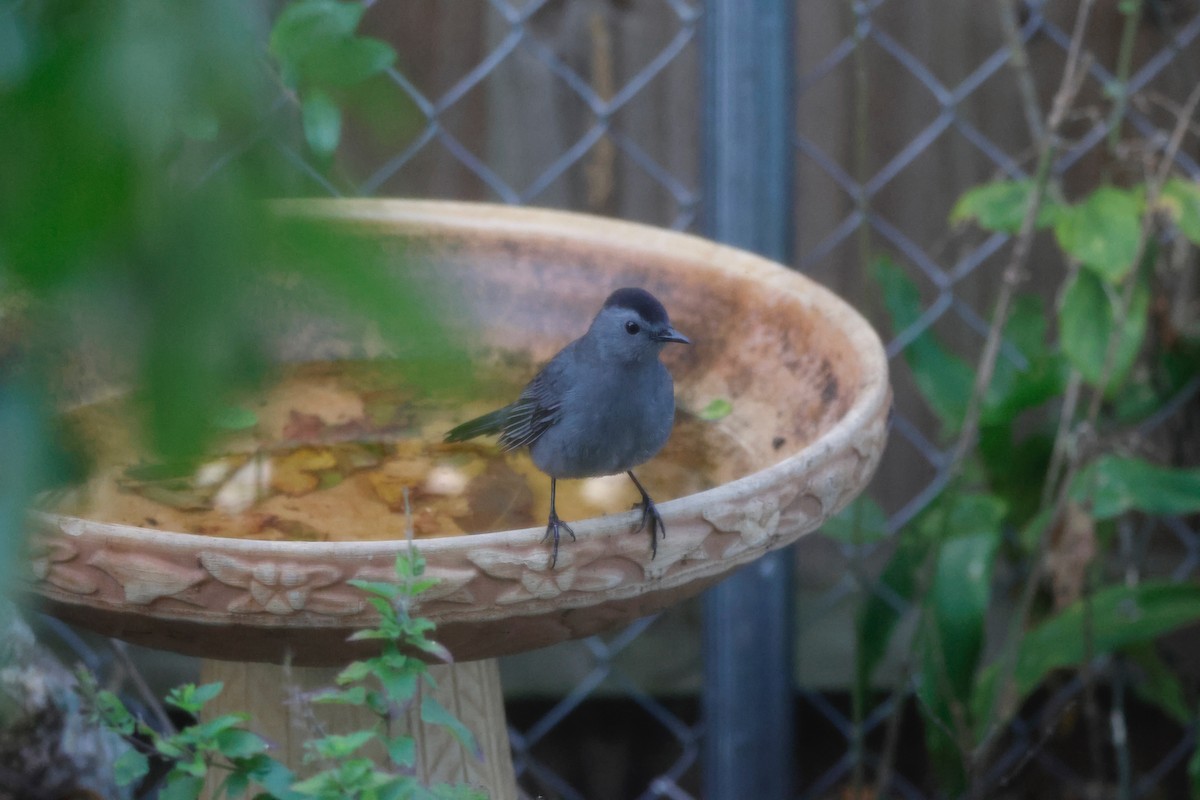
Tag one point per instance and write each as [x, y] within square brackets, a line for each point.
[49, 749]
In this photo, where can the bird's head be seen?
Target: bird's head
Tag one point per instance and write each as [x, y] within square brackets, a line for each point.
[632, 326]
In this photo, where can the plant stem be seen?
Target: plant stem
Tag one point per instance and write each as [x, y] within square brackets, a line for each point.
[1133, 18]
[1018, 58]
[1064, 98]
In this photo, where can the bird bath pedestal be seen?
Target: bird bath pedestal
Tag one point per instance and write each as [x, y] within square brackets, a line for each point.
[806, 380]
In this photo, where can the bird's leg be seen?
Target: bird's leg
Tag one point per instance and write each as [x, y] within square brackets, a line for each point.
[650, 516]
[554, 524]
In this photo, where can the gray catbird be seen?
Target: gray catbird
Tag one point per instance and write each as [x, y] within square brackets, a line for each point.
[603, 405]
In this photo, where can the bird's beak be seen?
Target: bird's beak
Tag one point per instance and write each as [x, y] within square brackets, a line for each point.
[669, 334]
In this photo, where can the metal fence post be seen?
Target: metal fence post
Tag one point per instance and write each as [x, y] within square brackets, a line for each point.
[748, 200]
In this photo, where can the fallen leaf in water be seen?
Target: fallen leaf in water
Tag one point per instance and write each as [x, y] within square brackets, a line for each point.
[390, 481]
[303, 427]
[179, 495]
[296, 531]
[360, 455]
[295, 473]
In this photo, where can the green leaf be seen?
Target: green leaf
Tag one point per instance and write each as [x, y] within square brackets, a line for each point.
[271, 775]
[1112, 485]
[402, 750]
[400, 685]
[877, 619]
[1015, 389]
[130, 767]
[181, 786]
[718, 408]
[354, 671]
[354, 696]
[958, 599]
[944, 379]
[322, 122]
[114, 713]
[950, 644]
[236, 784]
[378, 588]
[238, 743]
[410, 563]
[1009, 465]
[339, 746]
[861, 522]
[206, 732]
[960, 514]
[347, 61]
[1158, 684]
[1087, 320]
[1102, 232]
[435, 649]
[1000, 206]
[1121, 616]
[1193, 771]
[1181, 198]
[191, 698]
[435, 713]
[303, 28]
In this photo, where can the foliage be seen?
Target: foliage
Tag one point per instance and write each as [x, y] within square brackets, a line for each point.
[123, 247]
[1013, 498]
[320, 56]
[225, 751]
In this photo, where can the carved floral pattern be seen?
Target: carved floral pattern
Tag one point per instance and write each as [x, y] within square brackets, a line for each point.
[55, 562]
[283, 588]
[573, 572]
[145, 578]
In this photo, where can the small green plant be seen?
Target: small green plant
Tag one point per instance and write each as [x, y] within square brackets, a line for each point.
[1048, 460]
[225, 751]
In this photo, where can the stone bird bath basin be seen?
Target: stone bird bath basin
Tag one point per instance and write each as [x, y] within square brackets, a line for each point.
[805, 375]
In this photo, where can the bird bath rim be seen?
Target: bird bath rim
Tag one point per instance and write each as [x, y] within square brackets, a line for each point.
[138, 582]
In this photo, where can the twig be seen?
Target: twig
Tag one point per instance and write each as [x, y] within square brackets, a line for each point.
[1018, 58]
[1015, 272]
[121, 651]
[1133, 17]
[1069, 85]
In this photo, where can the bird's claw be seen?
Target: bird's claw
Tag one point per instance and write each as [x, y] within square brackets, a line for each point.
[653, 520]
[552, 529]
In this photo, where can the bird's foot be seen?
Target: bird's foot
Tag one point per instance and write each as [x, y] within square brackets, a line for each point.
[552, 530]
[653, 520]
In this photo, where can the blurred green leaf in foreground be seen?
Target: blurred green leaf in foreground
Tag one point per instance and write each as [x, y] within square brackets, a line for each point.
[132, 218]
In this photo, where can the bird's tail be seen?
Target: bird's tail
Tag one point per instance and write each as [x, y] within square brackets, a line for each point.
[489, 423]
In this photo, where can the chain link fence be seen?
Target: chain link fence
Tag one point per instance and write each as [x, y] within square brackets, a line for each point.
[901, 105]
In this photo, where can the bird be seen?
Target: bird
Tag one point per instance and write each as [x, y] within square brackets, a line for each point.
[603, 405]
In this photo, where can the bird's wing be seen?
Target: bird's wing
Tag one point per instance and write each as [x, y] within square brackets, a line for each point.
[536, 409]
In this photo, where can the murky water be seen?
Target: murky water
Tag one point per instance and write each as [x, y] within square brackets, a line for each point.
[329, 451]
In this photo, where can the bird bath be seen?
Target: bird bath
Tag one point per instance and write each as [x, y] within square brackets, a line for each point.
[805, 378]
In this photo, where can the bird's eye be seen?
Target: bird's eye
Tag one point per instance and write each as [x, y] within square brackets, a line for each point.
[632, 328]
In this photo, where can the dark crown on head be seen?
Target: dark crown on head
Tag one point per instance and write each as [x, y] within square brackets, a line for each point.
[639, 300]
